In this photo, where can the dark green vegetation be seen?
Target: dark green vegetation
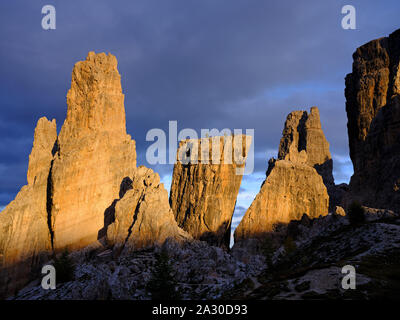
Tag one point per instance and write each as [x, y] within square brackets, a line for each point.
[64, 267]
[162, 285]
[356, 214]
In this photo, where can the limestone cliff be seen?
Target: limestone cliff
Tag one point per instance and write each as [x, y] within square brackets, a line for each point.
[94, 155]
[82, 181]
[293, 186]
[373, 111]
[25, 239]
[205, 187]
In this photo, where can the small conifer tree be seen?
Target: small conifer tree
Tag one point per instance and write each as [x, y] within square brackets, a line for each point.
[356, 213]
[64, 267]
[162, 284]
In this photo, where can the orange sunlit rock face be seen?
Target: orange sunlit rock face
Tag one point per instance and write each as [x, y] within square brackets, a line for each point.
[295, 182]
[83, 186]
[290, 190]
[303, 131]
[203, 194]
[95, 154]
[373, 112]
[25, 240]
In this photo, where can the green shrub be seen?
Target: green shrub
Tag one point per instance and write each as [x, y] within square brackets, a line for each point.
[64, 268]
[162, 284]
[356, 213]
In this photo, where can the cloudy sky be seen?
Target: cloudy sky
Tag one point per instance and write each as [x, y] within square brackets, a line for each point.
[241, 64]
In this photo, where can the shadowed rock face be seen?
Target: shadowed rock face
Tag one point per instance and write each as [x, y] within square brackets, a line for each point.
[293, 186]
[95, 154]
[143, 216]
[373, 111]
[203, 194]
[303, 131]
[25, 240]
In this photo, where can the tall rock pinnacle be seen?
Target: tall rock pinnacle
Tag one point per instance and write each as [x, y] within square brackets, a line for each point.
[25, 239]
[95, 101]
[94, 153]
[373, 111]
[293, 185]
[203, 194]
[83, 186]
[303, 131]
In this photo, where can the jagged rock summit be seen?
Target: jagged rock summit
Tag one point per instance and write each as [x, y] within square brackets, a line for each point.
[303, 131]
[83, 186]
[25, 239]
[373, 112]
[203, 193]
[293, 186]
[83, 189]
[94, 153]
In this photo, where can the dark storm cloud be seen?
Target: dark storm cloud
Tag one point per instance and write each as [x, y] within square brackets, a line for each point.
[235, 64]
